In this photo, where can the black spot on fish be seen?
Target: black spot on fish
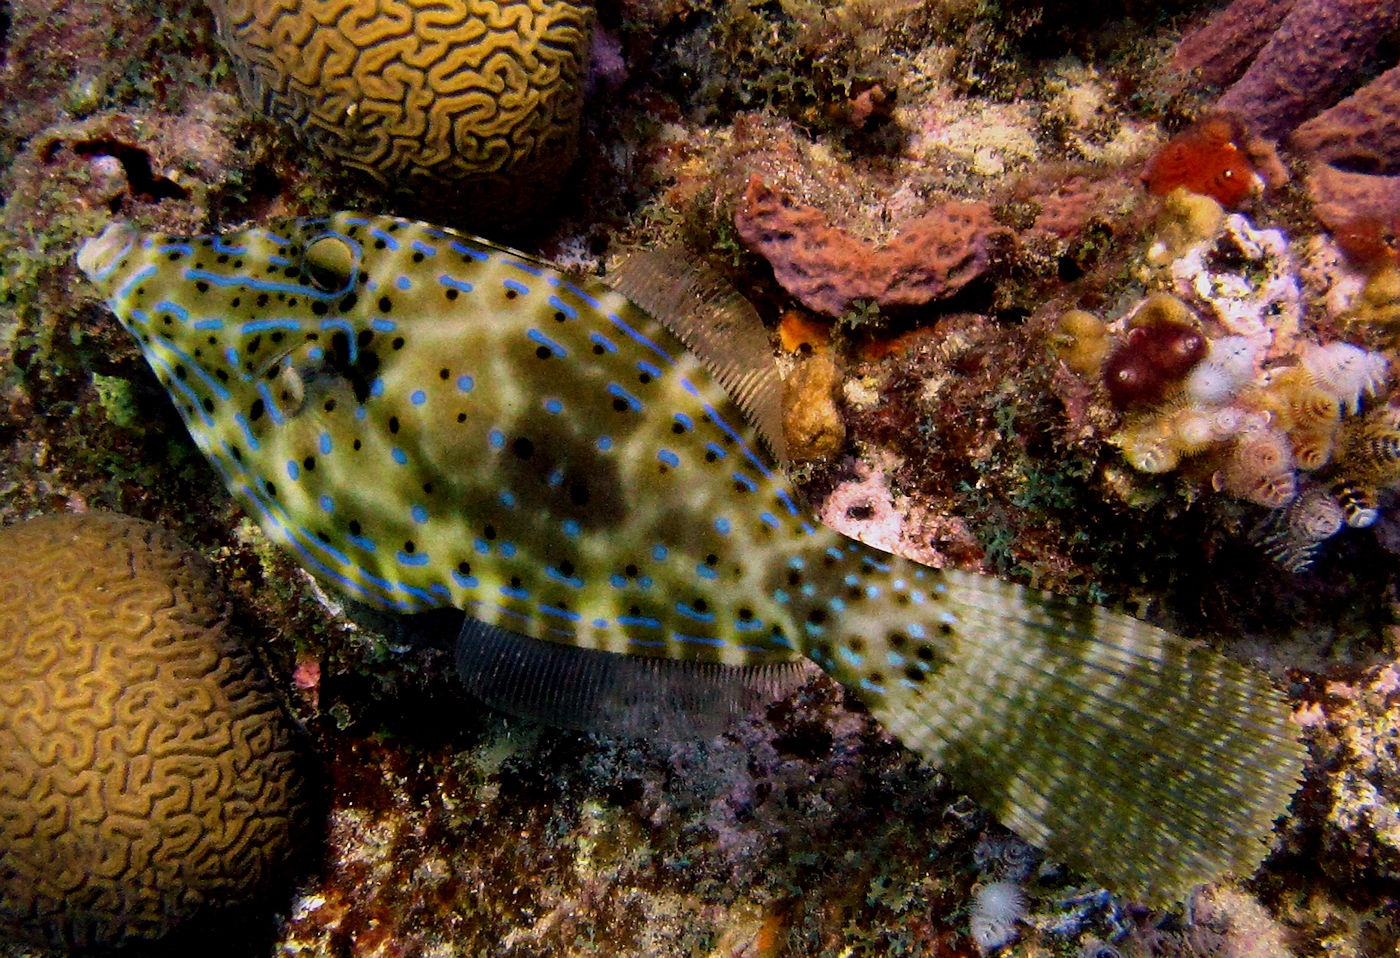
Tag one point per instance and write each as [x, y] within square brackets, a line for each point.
[578, 493]
[256, 410]
[523, 447]
[450, 293]
[202, 286]
[354, 527]
[348, 302]
[309, 463]
[408, 546]
[489, 532]
[271, 489]
[465, 568]
[397, 343]
[385, 304]
[181, 372]
[394, 424]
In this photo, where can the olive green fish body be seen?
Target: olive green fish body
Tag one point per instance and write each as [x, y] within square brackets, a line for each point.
[426, 420]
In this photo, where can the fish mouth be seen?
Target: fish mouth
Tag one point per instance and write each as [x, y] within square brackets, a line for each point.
[99, 256]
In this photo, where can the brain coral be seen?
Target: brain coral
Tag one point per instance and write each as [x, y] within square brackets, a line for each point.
[479, 96]
[146, 770]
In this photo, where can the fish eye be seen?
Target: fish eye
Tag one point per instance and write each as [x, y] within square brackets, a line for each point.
[330, 261]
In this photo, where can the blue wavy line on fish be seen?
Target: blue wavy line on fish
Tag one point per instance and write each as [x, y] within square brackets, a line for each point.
[427, 420]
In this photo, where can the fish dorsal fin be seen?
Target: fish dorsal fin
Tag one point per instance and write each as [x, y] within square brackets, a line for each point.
[715, 322]
[622, 696]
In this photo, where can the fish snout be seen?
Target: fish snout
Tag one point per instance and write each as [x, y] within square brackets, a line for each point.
[99, 256]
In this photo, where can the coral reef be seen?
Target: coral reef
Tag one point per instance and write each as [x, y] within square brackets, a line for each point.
[832, 272]
[147, 773]
[1237, 394]
[1351, 722]
[483, 101]
[966, 444]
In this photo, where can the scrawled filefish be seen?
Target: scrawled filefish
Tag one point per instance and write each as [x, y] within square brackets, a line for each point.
[425, 420]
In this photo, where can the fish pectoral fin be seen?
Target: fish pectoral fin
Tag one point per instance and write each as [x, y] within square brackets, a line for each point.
[718, 324]
[622, 696]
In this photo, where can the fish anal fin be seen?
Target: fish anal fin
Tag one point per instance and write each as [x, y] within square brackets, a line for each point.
[605, 693]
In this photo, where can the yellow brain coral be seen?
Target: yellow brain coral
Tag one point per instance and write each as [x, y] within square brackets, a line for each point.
[146, 770]
[420, 94]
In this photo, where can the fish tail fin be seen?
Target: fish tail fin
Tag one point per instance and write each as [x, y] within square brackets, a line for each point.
[1147, 761]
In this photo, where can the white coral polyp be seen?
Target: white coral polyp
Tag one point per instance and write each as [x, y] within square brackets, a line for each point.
[996, 910]
[1231, 363]
[1346, 372]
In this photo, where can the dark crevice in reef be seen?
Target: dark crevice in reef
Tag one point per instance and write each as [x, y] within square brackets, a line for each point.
[136, 163]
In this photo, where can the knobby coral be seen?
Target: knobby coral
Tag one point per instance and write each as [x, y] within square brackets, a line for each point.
[147, 772]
